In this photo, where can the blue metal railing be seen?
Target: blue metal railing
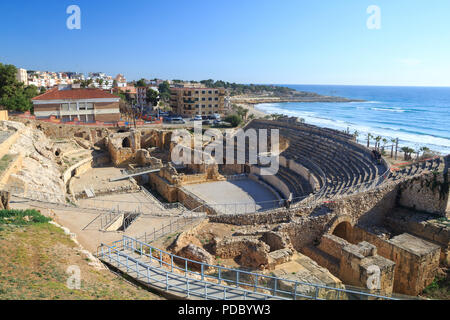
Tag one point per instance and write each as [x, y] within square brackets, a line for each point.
[266, 286]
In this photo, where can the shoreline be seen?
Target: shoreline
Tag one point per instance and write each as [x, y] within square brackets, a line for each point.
[261, 114]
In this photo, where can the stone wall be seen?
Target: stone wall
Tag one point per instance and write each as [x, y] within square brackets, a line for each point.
[416, 260]
[122, 147]
[272, 217]
[423, 226]
[163, 187]
[428, 192]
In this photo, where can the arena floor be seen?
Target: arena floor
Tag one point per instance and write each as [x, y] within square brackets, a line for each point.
[240, 196]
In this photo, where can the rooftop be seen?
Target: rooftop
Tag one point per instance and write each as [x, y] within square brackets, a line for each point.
[74, 94]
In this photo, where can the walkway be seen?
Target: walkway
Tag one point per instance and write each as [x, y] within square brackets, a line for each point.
[188, 279]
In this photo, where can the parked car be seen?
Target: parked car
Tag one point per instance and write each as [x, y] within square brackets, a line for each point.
[207, 122]
[177, 120]
[197, 118]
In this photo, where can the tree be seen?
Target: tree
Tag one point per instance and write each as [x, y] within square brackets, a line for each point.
[394, 141]
[152, 97]
[234, 119]
[15, 95]
[141, 83]
[424, 150]
[407, 151]
[164, 91]
[369, 136]
[377, 144]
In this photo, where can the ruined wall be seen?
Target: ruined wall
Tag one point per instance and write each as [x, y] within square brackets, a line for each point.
[94, 135]
[122, 147]
[254, 218]
[416, 261]
[156, 138]
[428, 192]
[163, 187]
[420, 224]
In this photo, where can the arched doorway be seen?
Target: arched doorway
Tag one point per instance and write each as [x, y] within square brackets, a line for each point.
[126, 143]
[343, 230]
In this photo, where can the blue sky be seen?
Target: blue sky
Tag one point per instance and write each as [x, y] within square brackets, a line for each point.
[289, 41]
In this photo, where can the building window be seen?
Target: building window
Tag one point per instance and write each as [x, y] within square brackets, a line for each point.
[210, 92]
[217, 99]
[203, 92]
[210, 99]
[65, 107]
[210, 106]
[203, 99]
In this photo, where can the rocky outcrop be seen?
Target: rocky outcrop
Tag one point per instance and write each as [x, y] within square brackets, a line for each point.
[40, 174]
[250, 252]
[195, 253]
[4, 200]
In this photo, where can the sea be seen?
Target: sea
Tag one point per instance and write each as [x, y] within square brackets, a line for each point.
[417, 116]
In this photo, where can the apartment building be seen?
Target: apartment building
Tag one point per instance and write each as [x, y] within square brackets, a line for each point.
[22, 76]
[197, 101]
[70, 103]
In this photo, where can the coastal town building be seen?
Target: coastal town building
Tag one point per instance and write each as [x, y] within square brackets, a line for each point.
[121, 81]
[197, 101]
[71, 103]
[22, 76]
[101, 80]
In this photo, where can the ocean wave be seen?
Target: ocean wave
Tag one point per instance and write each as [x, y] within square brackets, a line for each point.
[406, 137]
[388, 109]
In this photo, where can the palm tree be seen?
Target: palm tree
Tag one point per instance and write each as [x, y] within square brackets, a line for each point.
[385, 141]
[377, 144]
[369, 136]
[392, 147]
[405, 152]
[423, 150]
[356, 135]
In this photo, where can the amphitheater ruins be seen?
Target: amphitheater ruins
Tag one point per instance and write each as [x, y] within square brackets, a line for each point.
[332, 215]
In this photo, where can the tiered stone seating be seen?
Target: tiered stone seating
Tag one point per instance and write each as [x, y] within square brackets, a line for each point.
[436, 164]
[337, 162]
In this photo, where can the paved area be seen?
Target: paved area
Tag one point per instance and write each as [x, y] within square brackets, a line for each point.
[240, 196]
[76, 220]
[98, 179]
[133, 201]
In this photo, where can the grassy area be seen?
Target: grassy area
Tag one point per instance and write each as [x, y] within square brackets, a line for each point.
[5, 161]
[440, 288]
[34, 258]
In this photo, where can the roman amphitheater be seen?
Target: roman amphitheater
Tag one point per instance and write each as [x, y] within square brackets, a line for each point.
[332, 223]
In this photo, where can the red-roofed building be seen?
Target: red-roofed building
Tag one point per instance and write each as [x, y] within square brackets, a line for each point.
[71, 102]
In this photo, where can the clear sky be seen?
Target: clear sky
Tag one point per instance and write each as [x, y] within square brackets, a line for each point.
[246, 41]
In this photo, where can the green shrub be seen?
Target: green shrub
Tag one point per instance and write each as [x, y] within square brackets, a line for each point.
[234, 120]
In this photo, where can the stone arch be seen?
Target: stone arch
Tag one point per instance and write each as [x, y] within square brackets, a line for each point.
[344, 230]
[126, 142]
[342, 227]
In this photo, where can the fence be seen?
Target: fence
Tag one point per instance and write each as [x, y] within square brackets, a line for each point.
[168, 229]
[215, 277]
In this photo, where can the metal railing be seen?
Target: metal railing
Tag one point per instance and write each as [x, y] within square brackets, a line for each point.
[217, 278]
[167, 229]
